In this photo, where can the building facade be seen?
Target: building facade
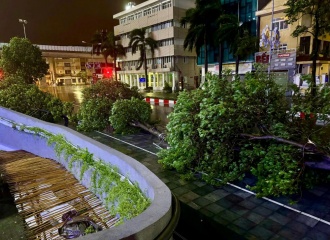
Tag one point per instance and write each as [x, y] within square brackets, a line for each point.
[293, 55]
[245, 11]
[66, 62]
[171, 64]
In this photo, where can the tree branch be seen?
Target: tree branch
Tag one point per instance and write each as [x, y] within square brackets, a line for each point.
[322, 160]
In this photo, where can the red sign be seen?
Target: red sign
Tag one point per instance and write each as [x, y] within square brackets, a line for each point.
[263, 58]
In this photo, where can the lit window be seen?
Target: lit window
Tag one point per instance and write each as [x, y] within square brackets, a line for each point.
[280, 23]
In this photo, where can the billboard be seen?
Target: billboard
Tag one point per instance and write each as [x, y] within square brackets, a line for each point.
[281, 59]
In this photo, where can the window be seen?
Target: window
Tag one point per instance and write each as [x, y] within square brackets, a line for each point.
[67, 65]
[138, 15]
[166, 42]
[304, 46]
[130, 18]
[306, 20]
[283, 46]
[326, 48]
[147, 12]
[67, 71]
[280, 23]
[166, 4]
[155, 9]
[122, 21]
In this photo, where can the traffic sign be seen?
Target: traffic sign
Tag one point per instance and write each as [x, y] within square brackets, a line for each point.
[142, 79]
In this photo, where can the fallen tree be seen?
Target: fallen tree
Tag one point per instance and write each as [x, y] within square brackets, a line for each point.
[232, 128]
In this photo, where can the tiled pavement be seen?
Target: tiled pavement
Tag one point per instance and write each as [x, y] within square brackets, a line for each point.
[232, 212]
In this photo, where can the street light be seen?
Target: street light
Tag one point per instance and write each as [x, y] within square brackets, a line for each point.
[23, 21]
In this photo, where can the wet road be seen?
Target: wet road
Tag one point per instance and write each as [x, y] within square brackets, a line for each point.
[74, 94]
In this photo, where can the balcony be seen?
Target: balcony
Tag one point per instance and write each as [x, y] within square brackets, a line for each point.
[303, 57]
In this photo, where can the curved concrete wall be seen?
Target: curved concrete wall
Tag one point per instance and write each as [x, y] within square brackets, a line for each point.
[147, 225]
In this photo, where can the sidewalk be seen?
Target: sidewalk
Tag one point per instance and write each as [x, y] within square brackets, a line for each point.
[231, 212]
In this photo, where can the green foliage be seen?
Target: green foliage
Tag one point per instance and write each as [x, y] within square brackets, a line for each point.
[280, 168]
[240, 41]
[182, 134]
[98, 100]
[122, 197]
[126, 112]
[21, 58]
[218, 128]
[201, 31]
[89, 230]
[167, 88]
[105, 43]
[83, 76]
[94, 114]
[29, 99]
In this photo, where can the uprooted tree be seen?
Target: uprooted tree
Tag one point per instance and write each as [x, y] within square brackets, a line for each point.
[230, 129]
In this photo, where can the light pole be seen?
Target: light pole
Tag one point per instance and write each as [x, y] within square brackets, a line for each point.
[23, 21]
[271, 39]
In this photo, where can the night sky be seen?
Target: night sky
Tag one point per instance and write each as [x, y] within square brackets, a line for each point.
[58, 22]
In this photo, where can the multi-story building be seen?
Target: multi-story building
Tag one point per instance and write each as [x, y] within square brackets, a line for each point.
[65, 63]
[171, 64]
[293, 56]
[245, 11]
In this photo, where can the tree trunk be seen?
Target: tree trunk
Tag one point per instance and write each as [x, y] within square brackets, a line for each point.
[115, 61]
[315, 53]
[237, 64]
[205, 56]
[220, 59]
[153, 131]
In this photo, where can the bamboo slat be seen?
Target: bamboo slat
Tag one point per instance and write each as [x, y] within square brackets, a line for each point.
[43, 191]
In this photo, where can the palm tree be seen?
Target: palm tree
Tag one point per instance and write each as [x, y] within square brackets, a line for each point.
[98, 41]
[241, 43]
[104, 43]
[112, 48]
[139, 41]
[201, 21]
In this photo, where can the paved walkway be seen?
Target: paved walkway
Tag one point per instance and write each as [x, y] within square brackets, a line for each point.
[231, 211]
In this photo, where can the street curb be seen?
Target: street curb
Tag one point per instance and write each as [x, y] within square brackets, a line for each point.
[161, 102]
